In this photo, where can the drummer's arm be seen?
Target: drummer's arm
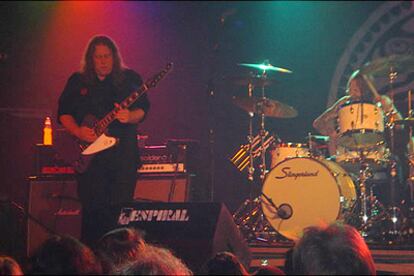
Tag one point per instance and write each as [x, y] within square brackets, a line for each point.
[393, 114]
[390, 111]
[325, 122]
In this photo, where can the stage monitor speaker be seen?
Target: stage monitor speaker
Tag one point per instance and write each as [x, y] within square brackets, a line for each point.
[163, 187]
[195, 232]
[53, 208]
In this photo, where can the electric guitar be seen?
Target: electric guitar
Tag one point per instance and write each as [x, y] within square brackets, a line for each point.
[84, 150]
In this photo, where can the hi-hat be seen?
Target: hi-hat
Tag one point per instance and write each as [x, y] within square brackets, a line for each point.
[318, 138]
[265, 67]
[255, 80]
[383, 66]
[271, 108]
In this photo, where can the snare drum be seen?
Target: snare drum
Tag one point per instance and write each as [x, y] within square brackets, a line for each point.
[311, 191]
[360, 125]
[377, 159]
[288, 150]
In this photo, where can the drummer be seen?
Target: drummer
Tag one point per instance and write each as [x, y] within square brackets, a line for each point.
[357, 90]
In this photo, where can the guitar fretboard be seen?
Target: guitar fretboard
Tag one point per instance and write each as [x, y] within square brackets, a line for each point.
[110, 117]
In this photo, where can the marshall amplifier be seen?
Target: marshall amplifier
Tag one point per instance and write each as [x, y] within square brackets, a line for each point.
[195, 232]
[53, 208]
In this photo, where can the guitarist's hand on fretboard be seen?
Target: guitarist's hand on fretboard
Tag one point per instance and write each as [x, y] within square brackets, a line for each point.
[86, 134]
[123, 114]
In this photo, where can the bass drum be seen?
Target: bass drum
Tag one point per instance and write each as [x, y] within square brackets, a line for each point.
[307, 192]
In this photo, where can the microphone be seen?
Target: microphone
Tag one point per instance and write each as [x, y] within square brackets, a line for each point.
[285, 211]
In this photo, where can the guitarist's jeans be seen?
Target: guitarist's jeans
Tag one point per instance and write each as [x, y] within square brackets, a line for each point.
[110, 180]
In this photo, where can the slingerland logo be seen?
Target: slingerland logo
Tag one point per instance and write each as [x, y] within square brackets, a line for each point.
[287, 173]
[129, 215]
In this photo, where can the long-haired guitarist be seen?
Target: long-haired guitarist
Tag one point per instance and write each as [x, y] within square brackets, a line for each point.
[94, 92]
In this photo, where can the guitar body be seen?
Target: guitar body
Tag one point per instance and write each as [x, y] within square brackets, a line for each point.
[87, 150]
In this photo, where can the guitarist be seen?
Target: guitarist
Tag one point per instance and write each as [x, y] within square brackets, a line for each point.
[110, 177]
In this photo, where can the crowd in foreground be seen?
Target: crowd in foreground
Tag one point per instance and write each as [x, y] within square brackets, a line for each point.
[330, 250]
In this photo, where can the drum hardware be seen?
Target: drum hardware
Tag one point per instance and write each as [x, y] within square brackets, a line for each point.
[250, 220]
[381, 66]
[249, 217]
[242, 158]
[373, 217]
[252, 79]
[318, 145]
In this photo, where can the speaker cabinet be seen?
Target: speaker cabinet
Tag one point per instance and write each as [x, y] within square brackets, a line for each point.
[163, 188]
[195, 232]
[53, 208]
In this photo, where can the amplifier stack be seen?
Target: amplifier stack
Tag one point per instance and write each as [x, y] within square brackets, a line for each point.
[165, 174]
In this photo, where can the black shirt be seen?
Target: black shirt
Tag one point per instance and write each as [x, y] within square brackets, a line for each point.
[79, 99]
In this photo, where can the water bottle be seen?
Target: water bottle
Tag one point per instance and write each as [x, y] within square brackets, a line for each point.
[47, 132]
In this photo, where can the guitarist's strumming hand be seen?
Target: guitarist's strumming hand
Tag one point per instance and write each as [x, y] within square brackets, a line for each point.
[83, 133]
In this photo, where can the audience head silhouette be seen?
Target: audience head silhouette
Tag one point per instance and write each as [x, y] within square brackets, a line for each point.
[64, 255]
[334, 250]
[225, 263]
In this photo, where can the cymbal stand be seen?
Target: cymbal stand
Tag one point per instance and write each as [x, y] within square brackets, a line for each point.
[364, 175]
[371, 210]
[410, 180]
[262, 130]
[250, 139]
[249, 217]
[394, 210]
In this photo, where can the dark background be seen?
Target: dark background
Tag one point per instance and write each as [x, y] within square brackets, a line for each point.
[42, 44]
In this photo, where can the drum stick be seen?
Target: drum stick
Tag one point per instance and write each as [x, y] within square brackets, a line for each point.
[371, 87]
[409, 104]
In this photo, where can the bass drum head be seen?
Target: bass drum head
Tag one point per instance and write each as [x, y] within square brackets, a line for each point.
[314, 192]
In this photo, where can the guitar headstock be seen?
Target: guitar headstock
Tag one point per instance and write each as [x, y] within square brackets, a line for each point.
[152, 82]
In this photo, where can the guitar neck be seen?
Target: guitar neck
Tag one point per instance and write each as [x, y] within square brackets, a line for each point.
[103, 124]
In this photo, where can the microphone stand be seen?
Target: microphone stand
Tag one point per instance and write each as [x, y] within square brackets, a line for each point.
[214, 55]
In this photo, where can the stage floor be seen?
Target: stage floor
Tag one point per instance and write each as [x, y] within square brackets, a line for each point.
[389, 259]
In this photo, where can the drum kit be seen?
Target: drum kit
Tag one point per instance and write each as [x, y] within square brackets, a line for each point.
[307, 187]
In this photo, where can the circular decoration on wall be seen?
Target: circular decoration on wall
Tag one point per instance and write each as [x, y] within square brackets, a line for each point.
[387, 33]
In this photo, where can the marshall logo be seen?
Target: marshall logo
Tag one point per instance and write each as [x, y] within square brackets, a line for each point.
[129, 215]
[69, 212]
[287, 173]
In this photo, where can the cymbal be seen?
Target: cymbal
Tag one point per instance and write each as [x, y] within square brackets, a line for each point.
[255, 80]
[382, 66]
[271, 108]
[265, 67]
